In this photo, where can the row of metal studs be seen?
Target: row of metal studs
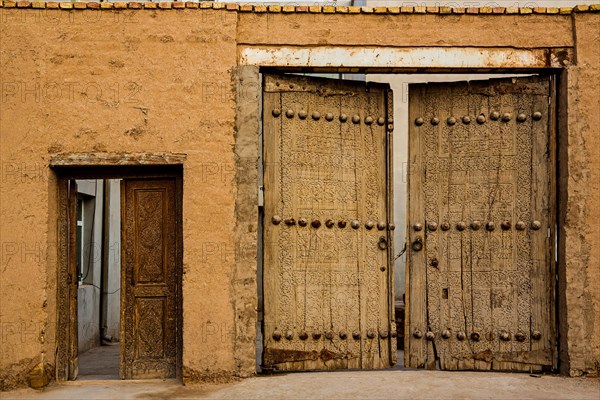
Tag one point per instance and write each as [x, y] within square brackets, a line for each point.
[481, 119]
[476, 336]
[476, 225]
[315, 223]
[329, 335]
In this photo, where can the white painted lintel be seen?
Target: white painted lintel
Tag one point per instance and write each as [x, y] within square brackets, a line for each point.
[415, 57]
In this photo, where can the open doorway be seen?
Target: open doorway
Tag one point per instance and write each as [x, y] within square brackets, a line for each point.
[98, 259]
[120, 251]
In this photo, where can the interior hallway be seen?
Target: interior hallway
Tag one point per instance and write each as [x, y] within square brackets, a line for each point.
[99, 363]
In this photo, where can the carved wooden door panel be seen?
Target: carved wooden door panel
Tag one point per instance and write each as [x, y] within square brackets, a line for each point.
[481, 225]
[327, 242]
[150, 279]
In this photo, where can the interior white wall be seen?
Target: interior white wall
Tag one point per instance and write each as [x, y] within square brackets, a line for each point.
[88, 293]
[114, 260]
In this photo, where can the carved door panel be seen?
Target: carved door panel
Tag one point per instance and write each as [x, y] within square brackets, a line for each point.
[481, 225]
[150, 279]
[327, 242]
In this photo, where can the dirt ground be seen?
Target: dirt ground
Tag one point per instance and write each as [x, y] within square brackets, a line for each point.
[392, 384]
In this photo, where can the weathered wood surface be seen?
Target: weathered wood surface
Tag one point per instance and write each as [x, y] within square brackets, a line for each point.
[112, 159]
[327, 285]
[150, 279]
[73, 283]
[490, 284]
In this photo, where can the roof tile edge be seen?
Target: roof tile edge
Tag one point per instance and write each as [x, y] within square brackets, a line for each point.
[287, 9]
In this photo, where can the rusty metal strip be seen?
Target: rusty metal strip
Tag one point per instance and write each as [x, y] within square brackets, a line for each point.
[278, 356]
[407, 57]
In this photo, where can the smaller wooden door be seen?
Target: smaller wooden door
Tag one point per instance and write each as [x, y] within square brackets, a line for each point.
[150, 279]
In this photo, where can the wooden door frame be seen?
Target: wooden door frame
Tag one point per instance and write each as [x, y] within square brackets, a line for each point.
[249, 146]
[69, 168]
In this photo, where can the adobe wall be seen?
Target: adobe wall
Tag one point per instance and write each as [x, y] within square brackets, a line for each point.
[166, 80]
[579, 258]
[579, 204]
[96, 81]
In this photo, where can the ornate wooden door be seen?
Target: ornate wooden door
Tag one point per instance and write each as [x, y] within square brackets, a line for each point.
[150, 279]
[327, 219]
[481, 225]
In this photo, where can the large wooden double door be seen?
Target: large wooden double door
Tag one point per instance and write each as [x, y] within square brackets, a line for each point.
[480, 269]
[481, 225]
[327, 225]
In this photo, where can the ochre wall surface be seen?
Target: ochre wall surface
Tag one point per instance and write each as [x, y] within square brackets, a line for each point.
[580, 202]
[107, 82]
[165, 80]
[405, 30]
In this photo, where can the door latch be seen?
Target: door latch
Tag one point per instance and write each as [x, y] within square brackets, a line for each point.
[382, 243]
[417, 245]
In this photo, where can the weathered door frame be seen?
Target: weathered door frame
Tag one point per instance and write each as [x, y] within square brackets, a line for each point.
[254, 60]
[107, 166]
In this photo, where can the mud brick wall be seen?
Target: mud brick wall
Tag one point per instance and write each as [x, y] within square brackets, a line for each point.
[163, 77]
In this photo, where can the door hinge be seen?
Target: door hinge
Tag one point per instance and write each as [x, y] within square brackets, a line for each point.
[261, 196]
